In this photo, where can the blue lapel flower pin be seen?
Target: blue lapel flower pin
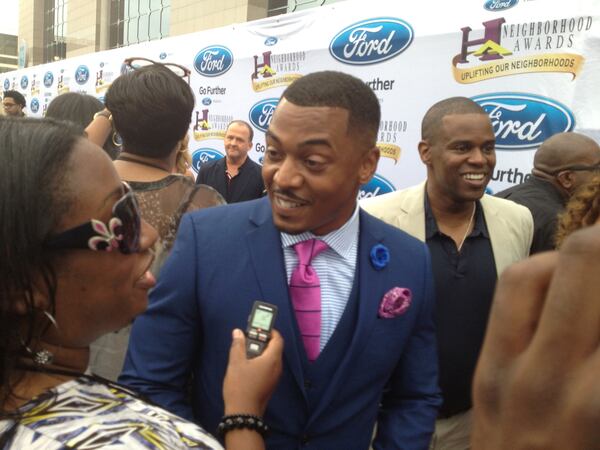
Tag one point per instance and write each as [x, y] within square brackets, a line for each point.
[380, 256]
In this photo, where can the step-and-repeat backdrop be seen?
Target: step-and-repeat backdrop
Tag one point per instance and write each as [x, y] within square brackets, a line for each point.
[533, 65]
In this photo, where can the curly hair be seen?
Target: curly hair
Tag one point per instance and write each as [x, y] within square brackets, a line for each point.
[582, 210]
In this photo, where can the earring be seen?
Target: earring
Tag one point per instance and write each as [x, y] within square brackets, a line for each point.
[116, 140]
[43, 356]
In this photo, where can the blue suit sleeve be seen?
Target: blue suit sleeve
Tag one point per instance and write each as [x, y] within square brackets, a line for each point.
[410, 405]
[164, 338]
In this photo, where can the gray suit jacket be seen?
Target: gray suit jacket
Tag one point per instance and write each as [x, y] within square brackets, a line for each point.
[510, 226]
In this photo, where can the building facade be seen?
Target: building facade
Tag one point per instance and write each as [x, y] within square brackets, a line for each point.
[56, 29]
[8, 52]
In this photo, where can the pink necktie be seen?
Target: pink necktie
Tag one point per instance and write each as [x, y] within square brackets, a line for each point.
[305, 292]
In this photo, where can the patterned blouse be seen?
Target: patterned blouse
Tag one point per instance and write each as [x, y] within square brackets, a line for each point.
[86, 414]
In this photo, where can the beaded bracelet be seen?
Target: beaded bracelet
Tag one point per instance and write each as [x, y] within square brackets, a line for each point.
[238, 421]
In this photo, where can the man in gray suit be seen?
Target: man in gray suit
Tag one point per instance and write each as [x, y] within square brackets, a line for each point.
[472, 237]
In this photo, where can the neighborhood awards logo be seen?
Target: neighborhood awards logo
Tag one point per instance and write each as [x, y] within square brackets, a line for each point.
[210, 126]
[511, 49]
[272, 70]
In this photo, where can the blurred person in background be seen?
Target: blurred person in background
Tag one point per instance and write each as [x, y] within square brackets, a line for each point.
[79, 256]
[13, 103]
[80, 109]
[562, 164]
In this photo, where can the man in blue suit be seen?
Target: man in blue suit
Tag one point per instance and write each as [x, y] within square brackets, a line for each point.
[374, 359]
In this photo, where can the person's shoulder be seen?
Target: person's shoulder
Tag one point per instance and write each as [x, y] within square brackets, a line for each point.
[507, 193]
[228, 214]
[507, 208]
[391, 234]
[392, 203]
[210, 164]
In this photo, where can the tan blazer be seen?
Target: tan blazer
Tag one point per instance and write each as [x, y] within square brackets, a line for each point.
[510, 226]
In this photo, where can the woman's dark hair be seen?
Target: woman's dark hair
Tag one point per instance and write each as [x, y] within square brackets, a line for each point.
[152, 109]
[79, 109]
[34, 198]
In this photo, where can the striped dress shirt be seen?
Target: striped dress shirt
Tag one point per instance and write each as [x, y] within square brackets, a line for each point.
[335, 267]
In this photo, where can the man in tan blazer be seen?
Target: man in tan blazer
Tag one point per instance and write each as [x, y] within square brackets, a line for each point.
[472, 238]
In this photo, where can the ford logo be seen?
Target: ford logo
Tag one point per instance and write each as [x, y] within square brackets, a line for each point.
[204, 155]
[34, 106]
[82, 74]
[48, 79]
[377, 186]
[24, 82]
[262, 112]
[213, 61]
[162, 55]
[499, 5]
[371, 41]
[206, 101]
[271, 40]
[524, 121]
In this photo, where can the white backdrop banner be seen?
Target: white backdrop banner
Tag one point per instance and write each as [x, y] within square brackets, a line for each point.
[533, 65]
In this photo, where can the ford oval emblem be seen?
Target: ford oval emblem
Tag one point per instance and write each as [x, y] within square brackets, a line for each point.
[271, 40]
[34, 106]
[499, 5]
[262, 112]
[377, 186]
[524, 121]
[204, 155]
[82, 74]
[48, 79]
[213, 61]
[371, 41]
[206, 101]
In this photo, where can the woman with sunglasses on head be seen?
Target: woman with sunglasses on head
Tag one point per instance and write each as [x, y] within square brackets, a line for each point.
[75, 258]
[151, 107]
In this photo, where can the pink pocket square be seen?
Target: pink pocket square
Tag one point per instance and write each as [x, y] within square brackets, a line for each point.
[395, 302]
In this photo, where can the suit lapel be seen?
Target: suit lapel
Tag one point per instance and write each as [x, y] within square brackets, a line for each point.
[412, 219]
[369, 282]
[264, 243]
[497, 230]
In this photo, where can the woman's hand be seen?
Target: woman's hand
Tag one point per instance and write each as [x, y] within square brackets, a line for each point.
[249, 383]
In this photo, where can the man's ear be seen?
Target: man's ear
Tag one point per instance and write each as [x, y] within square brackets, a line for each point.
[368, 165]
[425, 151]
[566, 178]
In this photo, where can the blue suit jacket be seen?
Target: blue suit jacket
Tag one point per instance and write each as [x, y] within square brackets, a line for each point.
[227, 257]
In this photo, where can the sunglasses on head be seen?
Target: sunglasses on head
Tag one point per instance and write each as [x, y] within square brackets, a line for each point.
[122, 231]
[131, 64]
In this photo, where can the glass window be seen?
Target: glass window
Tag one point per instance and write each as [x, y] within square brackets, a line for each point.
[134, 21]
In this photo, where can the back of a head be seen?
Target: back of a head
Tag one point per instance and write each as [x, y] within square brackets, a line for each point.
[432, 120]
[34, 196]
[340, 90]
[563, 150]
[152, 109]
[16, 96]
[74, 107]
